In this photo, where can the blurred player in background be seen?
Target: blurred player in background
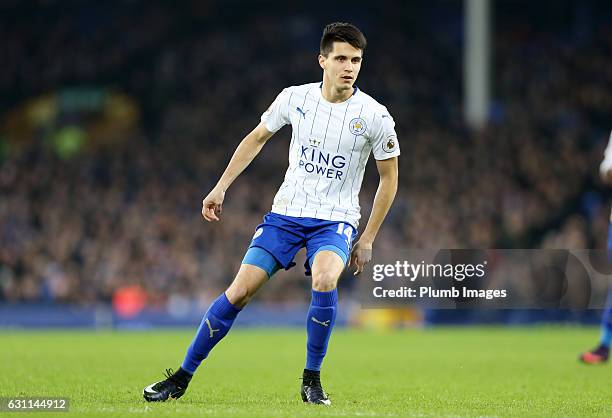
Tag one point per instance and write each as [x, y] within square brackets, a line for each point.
[335, 128]
[601, 353]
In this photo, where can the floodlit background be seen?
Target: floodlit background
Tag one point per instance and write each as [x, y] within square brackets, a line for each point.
[116, 119]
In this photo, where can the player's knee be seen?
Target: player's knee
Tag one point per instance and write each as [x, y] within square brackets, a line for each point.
[238, 295]
[324, 281]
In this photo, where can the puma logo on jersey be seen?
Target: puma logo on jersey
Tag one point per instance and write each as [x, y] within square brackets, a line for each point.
[324, 323]
[210, 328]
[302, 112]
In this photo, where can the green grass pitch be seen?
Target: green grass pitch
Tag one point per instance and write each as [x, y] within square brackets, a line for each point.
[452, 372]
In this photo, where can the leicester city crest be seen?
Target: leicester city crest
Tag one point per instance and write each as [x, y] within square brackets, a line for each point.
[357, 126]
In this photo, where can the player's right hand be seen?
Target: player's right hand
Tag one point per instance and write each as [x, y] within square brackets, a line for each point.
[212, 205]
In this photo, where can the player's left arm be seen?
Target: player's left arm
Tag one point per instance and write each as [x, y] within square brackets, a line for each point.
[387, 187]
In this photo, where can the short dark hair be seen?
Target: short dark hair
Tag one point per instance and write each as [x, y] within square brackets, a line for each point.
[341, 32]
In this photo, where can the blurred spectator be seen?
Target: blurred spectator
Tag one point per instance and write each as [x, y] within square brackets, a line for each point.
[76, 229]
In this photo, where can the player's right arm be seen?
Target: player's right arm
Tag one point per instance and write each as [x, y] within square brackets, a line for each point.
[274, 118]
[605, 169]
[246, 151]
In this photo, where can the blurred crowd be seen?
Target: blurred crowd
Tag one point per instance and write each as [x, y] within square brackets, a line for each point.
[77, 229]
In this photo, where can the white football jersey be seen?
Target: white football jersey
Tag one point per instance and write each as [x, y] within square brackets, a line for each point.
[330, 146]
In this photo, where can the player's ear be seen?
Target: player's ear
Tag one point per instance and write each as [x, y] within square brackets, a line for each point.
[322, 61]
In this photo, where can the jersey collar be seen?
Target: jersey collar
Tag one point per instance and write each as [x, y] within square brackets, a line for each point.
[355, 88]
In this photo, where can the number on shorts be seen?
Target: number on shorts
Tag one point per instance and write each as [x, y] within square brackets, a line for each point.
[345, 230]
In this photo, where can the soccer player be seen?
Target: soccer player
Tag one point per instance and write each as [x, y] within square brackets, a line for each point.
[600, 354]
[335, 128]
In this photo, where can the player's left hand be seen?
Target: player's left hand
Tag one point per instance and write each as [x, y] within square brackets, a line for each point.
[360, 256]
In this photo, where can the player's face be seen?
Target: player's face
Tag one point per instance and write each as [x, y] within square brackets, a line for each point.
[342, 65]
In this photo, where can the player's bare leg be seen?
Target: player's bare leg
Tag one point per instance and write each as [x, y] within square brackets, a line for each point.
[215, 325]
[246, 283]
[326, 270]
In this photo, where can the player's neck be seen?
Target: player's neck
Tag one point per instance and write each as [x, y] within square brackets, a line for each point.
[334, 96]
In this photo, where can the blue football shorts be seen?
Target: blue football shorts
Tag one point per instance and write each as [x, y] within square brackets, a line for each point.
[278, 239]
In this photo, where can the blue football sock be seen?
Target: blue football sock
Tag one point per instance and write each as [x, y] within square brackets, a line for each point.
[321, 319]
[606, 329]
[606, 323]
[215, 325]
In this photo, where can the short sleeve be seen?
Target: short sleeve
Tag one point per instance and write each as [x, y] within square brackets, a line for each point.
[277, 114]
[383, 137]
[606, 164]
